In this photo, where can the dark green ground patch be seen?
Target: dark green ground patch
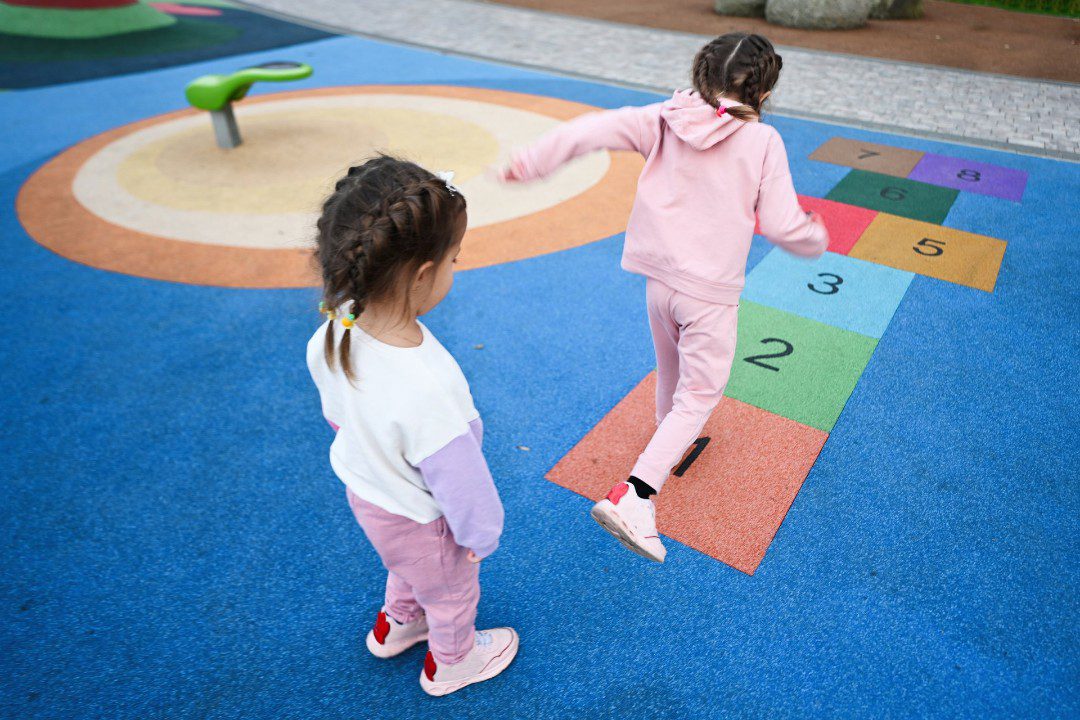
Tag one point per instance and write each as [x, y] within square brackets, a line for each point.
[897, 196]
[186, 34]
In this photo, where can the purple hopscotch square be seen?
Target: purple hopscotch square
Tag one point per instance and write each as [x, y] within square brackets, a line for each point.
[971, 176]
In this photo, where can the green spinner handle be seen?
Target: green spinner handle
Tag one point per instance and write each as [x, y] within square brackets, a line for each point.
[214, 92]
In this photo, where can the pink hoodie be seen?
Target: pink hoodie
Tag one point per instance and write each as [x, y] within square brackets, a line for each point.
[705, 178]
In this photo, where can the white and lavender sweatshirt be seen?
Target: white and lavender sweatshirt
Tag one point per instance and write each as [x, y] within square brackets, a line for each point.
[409, 437]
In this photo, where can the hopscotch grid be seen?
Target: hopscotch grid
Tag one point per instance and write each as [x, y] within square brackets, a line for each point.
[785, 310]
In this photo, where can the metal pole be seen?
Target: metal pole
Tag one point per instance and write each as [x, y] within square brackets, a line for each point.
[226, 131]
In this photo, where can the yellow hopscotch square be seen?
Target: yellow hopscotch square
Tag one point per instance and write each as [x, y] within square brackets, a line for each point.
[940, 252]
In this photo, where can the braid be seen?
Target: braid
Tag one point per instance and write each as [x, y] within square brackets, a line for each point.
[384, 217]
[737, 65]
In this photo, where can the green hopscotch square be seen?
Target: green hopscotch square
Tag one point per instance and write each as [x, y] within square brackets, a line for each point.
[812, 370]
[897, 196]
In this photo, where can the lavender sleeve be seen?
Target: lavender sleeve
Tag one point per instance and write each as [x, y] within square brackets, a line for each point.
[459, 479]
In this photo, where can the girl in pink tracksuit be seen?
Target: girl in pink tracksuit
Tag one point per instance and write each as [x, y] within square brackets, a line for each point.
[711, 170]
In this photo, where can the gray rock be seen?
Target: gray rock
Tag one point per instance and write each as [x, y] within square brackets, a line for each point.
[741, 8]
[897, 9]
[819, 14]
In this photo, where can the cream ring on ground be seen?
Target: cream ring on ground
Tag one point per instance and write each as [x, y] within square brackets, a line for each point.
[171, 180]
[158, 198]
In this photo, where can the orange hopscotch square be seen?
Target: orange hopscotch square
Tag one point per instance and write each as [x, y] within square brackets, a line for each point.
[731, 501]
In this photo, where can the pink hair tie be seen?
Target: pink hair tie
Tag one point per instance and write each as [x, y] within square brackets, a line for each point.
[720, 111]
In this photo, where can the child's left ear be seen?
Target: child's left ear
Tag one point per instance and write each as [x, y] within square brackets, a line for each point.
[423, 273]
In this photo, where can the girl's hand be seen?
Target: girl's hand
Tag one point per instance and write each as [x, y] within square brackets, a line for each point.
[502, 174]
[509, 173]
[472, 557]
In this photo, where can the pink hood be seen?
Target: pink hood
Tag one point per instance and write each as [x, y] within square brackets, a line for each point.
[707, 180]
[695, 122]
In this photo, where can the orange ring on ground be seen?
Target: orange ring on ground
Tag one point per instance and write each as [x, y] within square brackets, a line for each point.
[52, 216]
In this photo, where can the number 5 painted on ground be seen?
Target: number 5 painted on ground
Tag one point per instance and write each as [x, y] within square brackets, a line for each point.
[928, 247]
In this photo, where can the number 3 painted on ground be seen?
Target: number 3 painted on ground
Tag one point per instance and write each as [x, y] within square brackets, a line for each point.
[834, 285]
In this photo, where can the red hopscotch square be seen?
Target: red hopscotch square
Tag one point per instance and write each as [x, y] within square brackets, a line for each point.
[846, 223]
[731, 501]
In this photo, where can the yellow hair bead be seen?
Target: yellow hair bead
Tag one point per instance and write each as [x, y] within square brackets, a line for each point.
[347, 322]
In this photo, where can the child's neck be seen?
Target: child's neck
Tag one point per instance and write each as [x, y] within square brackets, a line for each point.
[388, 325]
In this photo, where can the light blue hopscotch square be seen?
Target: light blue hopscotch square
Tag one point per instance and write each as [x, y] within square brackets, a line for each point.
[837, 290]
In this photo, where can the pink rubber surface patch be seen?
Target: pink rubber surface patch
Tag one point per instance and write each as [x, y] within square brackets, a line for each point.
[177, 9]
[846, 223]
[733, 498]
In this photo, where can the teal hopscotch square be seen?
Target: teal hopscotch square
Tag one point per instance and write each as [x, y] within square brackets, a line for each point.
[836, 290]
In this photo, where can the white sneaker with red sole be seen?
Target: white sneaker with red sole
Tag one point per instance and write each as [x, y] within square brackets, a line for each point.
[493, 650]
[632, 520]
[389, 637]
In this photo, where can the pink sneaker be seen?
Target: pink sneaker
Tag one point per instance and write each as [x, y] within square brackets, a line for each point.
[389, 637]
[632, 520]
[493, 651]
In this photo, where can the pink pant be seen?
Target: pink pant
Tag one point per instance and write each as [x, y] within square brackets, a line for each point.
[695, 346]
[427, 572]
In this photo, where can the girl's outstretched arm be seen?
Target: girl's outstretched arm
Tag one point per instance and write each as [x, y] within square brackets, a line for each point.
[628, 128]
[782, 221]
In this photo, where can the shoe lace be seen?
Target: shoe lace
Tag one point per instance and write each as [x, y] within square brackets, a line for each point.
[483, 639]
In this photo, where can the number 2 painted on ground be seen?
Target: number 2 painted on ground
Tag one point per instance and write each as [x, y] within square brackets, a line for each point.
[756, 359]
[833, 285]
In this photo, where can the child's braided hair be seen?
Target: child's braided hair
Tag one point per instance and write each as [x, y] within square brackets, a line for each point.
[385, 219]
[740, 66]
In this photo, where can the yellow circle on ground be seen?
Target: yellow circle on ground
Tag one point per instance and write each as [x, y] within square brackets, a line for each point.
[158, 198]
[287, 156]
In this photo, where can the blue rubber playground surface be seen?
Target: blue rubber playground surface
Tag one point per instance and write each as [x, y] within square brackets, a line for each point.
[174, 544]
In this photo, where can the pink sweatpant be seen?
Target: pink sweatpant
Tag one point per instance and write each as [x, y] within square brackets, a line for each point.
[427, 572]
[695, 346]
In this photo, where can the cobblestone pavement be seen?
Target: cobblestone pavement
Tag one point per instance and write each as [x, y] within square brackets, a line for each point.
[1028, 116]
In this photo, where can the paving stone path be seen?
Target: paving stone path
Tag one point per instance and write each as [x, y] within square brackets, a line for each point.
[1028, 116]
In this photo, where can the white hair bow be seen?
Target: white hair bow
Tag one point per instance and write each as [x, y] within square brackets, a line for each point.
[447, 176]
